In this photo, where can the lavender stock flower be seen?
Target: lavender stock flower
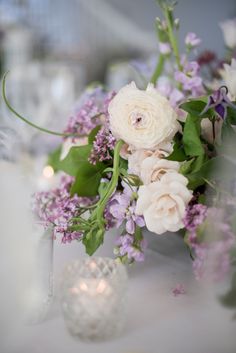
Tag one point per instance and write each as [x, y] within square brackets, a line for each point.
[191, 40]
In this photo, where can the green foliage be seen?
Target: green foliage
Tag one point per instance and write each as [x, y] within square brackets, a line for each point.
[178, 153]
[77, 156]
[93, 239]
[195, 108]
[191, 136]
[231, 115]
[54, 159]
[87, 180]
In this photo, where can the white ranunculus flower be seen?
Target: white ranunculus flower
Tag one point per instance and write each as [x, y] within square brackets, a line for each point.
[228, 28]
[163, 203]
[154, 168]
[66, 146]
[229, 76]
[143, 119]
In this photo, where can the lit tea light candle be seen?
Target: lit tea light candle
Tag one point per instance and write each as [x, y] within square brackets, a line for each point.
[93, 297]
[46, 179]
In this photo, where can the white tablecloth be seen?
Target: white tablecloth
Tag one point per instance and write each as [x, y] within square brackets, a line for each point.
[157, 321]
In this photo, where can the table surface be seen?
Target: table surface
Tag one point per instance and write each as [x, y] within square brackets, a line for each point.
[157, 321]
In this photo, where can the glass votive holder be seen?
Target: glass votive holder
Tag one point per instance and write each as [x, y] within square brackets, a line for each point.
[93, 298]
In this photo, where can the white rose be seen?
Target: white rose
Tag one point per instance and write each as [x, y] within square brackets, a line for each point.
[229, 76]
[163, 203]
[228, 28]
[136, 158]
[153, 169]
[143, 119]
[66, 146]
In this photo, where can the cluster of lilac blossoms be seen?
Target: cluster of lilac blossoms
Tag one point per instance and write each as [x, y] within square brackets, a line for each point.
[212, 255]
[104, 142]
[56, 207]
[121, 211]
[91, 111]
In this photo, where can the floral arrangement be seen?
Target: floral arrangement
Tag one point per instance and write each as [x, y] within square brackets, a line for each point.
[145, 158]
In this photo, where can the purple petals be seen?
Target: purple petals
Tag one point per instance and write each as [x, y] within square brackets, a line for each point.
[191, 40]
[219, 101]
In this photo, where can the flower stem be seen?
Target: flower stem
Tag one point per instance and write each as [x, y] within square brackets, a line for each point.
[172, 38]
[9, 106]
[158, 69]
[114, 180]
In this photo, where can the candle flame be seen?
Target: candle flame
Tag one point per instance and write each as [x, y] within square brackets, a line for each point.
[102, 285]
[48, 171]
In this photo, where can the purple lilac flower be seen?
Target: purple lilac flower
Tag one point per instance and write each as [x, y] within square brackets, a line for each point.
[178, 290]
[89, 112]
[189, 78]
[191, 40]
[212, 255]
[194, 216]
[56, 207]
[219, 101]
[102, 145]
[212, 261]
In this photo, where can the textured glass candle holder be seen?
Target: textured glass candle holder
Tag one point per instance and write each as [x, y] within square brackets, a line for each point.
[93, 298]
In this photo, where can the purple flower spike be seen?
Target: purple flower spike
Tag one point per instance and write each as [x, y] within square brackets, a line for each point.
[192, 40]
[219, 101]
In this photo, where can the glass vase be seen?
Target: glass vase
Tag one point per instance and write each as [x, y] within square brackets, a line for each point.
[40, 294]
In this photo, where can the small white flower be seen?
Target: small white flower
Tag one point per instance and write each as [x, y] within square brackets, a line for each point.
[163, 203]
[143, 119]
[229, 76]
[228, 28]
[154, 168]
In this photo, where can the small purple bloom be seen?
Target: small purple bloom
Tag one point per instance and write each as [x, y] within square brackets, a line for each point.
[191, 40]
[219, 101]
[56, 207]
[178, 290]
[104, 143]
[189, 78]
[194, 216]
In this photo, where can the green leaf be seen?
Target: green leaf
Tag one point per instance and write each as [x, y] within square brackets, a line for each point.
[93, 133]
[191, 136]
[92, 240]
[198, 178]
[77, 155]
[178, 153]
[186, 167]
[102, 189]
[231, 115]
[87, 179]
[195, 107]
[54, 159]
